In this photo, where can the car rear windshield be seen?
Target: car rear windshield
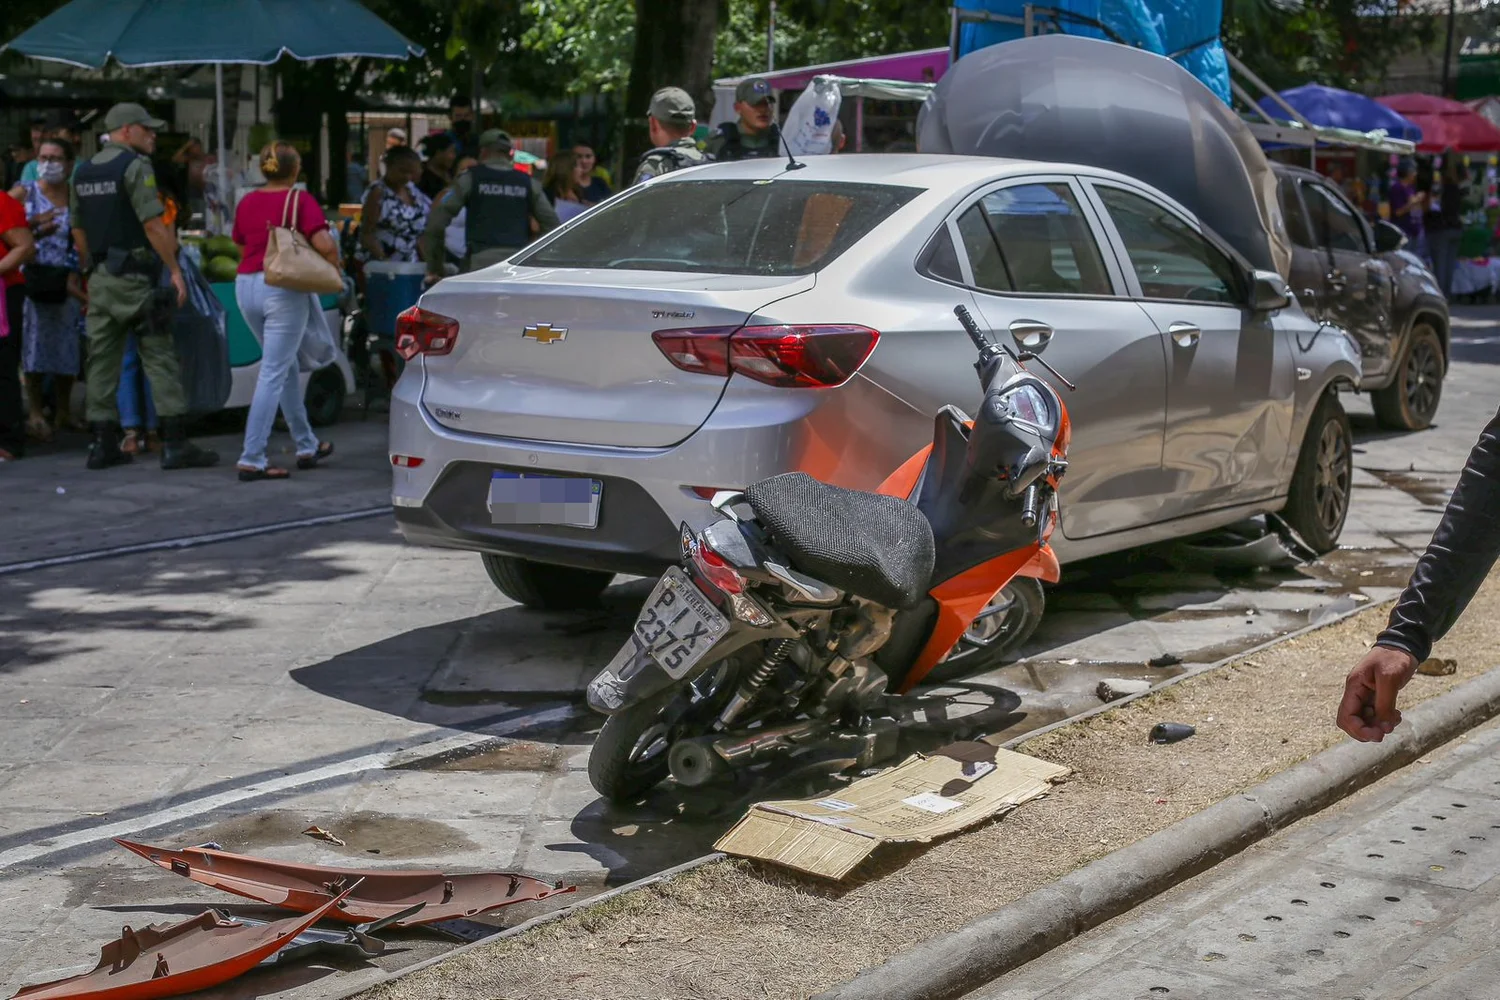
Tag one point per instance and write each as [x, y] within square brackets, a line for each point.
[780, 227]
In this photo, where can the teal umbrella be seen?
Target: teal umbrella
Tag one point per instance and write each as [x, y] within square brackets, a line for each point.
[91, 33]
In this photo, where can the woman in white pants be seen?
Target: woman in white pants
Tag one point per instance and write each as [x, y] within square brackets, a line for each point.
[290, 325]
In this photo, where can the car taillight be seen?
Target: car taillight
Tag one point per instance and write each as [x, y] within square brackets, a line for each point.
[419, 331]
[406, 461]
[716, 570]
[802, 357]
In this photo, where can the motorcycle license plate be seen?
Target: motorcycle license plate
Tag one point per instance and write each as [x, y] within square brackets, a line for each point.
[678, 625]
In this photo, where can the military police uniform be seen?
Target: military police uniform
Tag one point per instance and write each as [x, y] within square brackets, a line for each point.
[113, 197]
[672, 107]
[731, 142]
[501, 203]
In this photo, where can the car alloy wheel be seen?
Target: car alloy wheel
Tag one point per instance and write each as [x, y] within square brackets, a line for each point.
[1422, 379]
[1334, 476]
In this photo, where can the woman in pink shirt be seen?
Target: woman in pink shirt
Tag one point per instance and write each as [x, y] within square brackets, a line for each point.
[287, 323]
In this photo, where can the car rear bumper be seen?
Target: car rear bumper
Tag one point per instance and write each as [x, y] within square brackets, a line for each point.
[634, 535]
[849, 436]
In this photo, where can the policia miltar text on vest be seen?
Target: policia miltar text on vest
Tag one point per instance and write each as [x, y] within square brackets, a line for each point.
[124, 246]
[502, 204]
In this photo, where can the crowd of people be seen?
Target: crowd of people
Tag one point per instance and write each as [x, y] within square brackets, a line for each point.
[88, 248]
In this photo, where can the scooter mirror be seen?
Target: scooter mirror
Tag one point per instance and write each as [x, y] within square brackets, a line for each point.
[1030, 335]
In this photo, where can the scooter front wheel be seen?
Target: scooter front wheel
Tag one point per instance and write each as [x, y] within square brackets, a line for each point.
[998, 634]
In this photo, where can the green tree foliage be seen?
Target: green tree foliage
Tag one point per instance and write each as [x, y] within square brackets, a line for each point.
[1340, 43]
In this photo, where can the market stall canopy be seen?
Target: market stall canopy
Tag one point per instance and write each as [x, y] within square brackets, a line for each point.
[921, 66]
[1077, 100]
[1334, 108]
[1445, 124]
[1185, 31]
[176, 32]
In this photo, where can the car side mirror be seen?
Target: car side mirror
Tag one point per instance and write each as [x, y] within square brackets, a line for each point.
[1388, 236]
[1268, 292]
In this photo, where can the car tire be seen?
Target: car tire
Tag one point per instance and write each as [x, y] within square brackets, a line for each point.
[1410, 402]
[1005, 631]
[545, 587]
[325, 397]
[1322, 484]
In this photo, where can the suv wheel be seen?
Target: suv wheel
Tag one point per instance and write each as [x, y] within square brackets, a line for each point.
[1322, 484]
[1411, 401]
[543, 586]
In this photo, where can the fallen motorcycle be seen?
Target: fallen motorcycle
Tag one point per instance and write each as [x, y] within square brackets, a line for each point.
[795, 613]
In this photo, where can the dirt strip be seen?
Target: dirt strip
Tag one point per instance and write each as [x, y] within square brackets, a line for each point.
[738, 929]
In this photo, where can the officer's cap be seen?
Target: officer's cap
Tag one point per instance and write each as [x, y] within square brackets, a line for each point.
[672, 104]
[753, 90]
[131, 114]
[494, 138]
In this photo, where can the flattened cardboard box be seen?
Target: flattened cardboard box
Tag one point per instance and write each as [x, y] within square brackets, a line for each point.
[922, 798]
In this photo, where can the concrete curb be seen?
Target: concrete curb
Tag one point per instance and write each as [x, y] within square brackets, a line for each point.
[951, 966]
[551, 916]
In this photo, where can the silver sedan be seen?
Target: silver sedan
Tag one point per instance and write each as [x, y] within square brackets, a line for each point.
[565, 411]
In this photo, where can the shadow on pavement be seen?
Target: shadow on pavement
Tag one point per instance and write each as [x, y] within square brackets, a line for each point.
[51, 614]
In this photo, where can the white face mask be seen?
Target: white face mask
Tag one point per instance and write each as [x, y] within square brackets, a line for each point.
[51, 171]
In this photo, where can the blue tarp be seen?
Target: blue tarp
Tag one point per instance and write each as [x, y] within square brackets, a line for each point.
[1187, 31]
[1334, 108]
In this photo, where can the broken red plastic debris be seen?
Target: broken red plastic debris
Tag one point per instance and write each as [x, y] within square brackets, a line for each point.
[167, 960]
[380, 894]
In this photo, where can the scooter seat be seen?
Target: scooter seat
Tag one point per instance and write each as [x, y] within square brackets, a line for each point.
[876, 547]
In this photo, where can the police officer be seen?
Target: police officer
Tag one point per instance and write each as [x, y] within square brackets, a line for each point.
[672, 119]
[123, 245]
[755, 134]
[502, 202]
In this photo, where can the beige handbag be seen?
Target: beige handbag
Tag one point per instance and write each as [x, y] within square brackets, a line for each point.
[291, 261]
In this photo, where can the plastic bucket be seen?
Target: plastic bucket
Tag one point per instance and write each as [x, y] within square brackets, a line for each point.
[391, 287]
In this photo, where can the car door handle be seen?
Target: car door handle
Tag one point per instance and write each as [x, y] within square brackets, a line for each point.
[1337, 281]
[1184, 334]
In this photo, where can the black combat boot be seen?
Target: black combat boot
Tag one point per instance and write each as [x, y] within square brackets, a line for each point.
[177, 452]
[105, 449]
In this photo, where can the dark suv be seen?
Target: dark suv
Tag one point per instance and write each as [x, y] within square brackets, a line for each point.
[1356, 275]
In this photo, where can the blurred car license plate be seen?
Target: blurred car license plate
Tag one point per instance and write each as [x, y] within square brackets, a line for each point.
[527, 498]
[678, 625]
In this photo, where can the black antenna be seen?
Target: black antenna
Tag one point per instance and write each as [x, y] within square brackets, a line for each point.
[792, 163]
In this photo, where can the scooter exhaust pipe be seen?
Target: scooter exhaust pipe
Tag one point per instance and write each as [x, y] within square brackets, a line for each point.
[700, 760]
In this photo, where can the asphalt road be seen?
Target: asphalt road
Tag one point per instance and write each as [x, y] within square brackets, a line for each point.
[241, 689]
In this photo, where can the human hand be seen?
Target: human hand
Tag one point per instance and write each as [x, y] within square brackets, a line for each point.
[180, 284]
[1368, 710]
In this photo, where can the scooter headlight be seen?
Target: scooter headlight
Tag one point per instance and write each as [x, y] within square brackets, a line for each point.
[1026, 404]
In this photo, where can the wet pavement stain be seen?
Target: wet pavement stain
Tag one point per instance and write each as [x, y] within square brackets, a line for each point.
[497, 755]
[366, 835]
[1429, 490]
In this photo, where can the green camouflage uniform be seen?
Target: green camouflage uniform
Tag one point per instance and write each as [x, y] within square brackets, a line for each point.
[681, 153]
[731, 142]
[121, 305]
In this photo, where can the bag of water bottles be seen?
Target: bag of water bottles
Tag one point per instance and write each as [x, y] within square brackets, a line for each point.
[809, 124]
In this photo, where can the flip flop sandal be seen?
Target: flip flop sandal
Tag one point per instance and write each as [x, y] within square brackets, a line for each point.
[38, 429]
[325, 448]
[269, 472]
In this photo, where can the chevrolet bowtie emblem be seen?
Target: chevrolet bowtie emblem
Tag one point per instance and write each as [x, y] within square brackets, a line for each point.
[545, 333]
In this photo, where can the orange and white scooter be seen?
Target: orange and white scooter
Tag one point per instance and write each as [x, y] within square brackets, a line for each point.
[794, 615]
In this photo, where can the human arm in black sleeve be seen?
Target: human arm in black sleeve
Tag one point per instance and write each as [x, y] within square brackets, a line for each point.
[1458, 558]
[1450, 572]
